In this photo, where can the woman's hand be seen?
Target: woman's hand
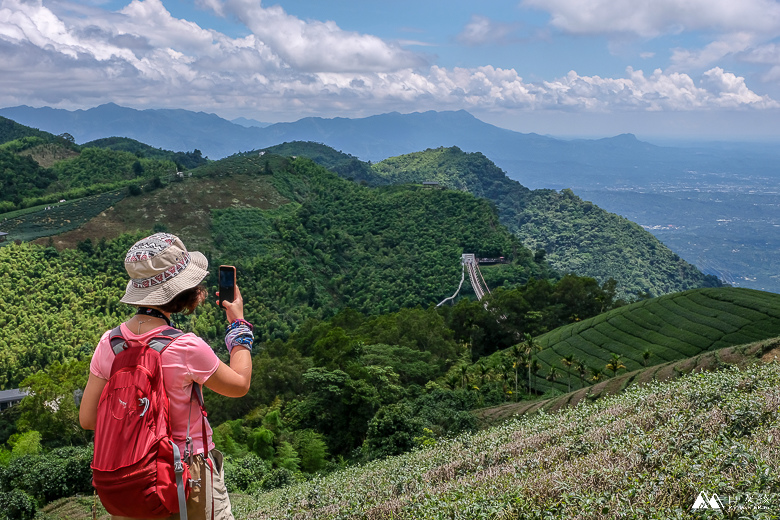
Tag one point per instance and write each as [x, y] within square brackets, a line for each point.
[235, 309]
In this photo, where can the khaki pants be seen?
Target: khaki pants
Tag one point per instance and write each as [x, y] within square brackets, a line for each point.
[199, 502]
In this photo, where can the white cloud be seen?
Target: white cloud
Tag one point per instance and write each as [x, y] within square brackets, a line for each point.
[142, 56]
[650, 18]
[734, 27]
[316, 46]
[483, 31]
[728, 45]
[767, 54]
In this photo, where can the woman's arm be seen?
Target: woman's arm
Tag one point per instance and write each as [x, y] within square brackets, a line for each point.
[233, 380]
[89, 401]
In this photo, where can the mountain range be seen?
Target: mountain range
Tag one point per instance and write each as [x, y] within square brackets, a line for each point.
[713, 204]
[534, 160]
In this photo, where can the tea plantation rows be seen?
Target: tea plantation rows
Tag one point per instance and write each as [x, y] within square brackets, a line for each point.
[645, 454]
[672, 327]
[27, 225]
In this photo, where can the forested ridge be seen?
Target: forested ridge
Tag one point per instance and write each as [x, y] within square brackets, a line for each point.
[336, 245]
[183, 160]
[40, 168]
[576, 235]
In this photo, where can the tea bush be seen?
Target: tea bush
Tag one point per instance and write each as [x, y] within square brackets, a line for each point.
[647, 453]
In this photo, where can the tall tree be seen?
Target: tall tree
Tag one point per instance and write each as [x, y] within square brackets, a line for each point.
[568, 361]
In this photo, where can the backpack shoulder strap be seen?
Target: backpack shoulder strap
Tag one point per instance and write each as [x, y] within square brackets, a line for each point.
[118, 343]
[164, 338]
[159, 342]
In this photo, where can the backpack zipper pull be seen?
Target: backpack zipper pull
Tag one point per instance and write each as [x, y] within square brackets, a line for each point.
[143, 401]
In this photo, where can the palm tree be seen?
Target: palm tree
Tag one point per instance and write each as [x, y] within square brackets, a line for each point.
[518, 356]
[552, 375]
[533, 368]
[506, 374]
[581, 371]
[530, 347]
[483, 370]
[615, 364]
[596, 375]
[568, 361]
[463, 375]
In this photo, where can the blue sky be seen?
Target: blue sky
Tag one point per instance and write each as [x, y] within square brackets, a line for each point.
[698, 69]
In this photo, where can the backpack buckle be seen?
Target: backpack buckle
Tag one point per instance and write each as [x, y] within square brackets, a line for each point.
[194, 483]
[187, 451]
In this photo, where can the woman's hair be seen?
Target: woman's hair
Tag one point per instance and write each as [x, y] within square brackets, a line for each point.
[186, 301]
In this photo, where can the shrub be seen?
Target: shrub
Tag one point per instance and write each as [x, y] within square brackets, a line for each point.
[392, 431]
[60, 473]
[244, 475]
[16, 505]
[278, 478]
[311, 449]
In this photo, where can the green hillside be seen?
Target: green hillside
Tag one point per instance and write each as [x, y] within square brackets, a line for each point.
[56, 218]
[708, 361]
[38, 168]
[10, 130]
[183, 160]
[627, 444]
[576, 235]
[344, 164]
[25, 183]
[646, 454]
[306, 244]
[656, 331]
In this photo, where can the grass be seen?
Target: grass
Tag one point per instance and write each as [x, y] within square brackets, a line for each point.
[73, 508]
[671, 327]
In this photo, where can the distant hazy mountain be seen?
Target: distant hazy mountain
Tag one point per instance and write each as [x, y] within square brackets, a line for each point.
[249, 123]
[177, 130]
[535, 160]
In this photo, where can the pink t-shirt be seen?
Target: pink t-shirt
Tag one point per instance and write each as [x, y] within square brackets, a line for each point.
[187, 359]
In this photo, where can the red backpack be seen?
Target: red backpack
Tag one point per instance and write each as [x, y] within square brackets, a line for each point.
[137, 469]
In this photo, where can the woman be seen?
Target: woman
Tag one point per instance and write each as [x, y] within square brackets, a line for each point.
[165, 279]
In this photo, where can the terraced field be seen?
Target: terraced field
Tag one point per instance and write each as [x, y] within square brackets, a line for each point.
[739, 356]
[28, 224]
[672, 327]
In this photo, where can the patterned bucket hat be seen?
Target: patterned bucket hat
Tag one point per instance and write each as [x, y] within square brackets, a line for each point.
[160, 267]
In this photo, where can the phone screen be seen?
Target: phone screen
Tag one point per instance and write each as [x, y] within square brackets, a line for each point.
[227, 283]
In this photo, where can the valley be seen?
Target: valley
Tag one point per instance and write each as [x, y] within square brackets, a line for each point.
[725, 225]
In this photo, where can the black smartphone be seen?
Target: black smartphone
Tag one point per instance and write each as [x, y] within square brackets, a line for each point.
[227, 283]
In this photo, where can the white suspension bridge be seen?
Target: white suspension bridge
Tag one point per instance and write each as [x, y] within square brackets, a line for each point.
[470, 263]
